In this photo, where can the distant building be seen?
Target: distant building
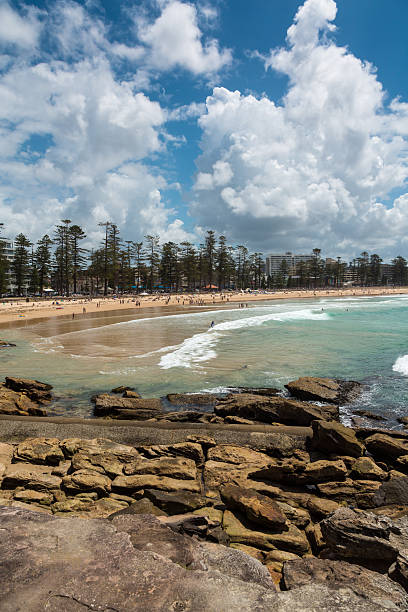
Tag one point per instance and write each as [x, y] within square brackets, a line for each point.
[274, 263]
[8, 252]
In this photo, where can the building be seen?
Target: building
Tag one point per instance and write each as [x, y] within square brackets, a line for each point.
[288, 260]
[7, 249]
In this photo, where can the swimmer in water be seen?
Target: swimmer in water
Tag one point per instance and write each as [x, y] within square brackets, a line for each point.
[212, 324]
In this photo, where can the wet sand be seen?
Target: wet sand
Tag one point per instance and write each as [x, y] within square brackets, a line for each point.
[17, 313]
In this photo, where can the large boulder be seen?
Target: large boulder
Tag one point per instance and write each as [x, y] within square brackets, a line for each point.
[273, 409]
[330, 437]
[128, 564]
[131, 484]
[384, 446]
[190, 450]
[191, 399]
[107, 404]
[392, 492]
[39, 450]
[337, 575]
[324, 389]
[16, 403]
[36, 477]
[365, 538]
[301, 472]
[258, 508]
[176, 502]
[173, 467]
[87, 481]
[34, 389]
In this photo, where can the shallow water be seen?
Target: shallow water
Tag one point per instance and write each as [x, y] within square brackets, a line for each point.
[269, 343]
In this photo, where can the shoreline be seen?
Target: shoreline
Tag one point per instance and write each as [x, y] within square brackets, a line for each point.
[21, 312]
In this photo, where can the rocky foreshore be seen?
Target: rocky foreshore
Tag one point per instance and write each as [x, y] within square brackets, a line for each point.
[315, 517]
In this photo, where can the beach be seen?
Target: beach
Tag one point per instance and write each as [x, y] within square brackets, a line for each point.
[18, 310]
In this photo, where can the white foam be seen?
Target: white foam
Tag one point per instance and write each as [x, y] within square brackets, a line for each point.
[200, 347]
[401, 365]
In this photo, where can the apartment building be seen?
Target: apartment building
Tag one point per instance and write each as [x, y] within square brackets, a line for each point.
[274, 263]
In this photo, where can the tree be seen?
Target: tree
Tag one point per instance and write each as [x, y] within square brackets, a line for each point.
[113, 253]
[21, 262]
[33, 281]
[4, 267]
[222, 261]
[188, 263]
[209, 256]
[63, 257]
[138, 256]
[316, 267]
[43, 258]
[170, 266]
[106, 225]
[399, 270]
[375, 269]
[153, 258]
[76, 234]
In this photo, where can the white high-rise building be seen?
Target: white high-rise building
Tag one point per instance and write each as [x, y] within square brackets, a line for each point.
[274, 263]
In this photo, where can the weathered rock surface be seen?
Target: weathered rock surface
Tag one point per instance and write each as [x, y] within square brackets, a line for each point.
[151, 481]
[87, 480]
[34, 389]
[192, 399]
[335, 438]
[258, 508]
[40, 450]
[372, 586]
[36, 477]
[324, 389]
[173, 467]
[395, 491]
[176, 502]
[13, 402]
[134, 568]
[387, 447]
[107, 404]
[190, 450]
[269, 409]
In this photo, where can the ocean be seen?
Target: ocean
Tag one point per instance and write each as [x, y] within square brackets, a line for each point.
[164, 350]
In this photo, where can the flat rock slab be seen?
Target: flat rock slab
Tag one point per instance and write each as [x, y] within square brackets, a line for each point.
[324, 389]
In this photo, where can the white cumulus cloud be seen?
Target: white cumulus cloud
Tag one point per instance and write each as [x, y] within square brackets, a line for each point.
[316, 169]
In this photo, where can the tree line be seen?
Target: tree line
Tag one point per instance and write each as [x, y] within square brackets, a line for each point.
[125, 266]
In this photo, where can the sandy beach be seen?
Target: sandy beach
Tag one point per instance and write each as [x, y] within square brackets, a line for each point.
[19, 310]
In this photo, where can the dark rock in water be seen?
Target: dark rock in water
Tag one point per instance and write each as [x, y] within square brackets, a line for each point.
[129, 564]
[372, 586]
[268, 391]
[13, 402]
[37, 391]
[122, 389]
[394, 491]
[112, 405]
[273, 409]
[177, 502]
[325, 389]
[191, 399]
[335, 438]
[371, 415]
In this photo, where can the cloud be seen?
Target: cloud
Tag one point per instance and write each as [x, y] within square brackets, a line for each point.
[315, 170]
[174, 40]
[17, 30]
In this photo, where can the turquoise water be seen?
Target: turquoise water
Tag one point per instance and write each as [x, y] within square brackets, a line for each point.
[269, 343]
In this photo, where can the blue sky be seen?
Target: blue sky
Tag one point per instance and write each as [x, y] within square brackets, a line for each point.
[282, 124]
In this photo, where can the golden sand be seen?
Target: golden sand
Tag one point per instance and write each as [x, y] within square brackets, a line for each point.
[19, 310]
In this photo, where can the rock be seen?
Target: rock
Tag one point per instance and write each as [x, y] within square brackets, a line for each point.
[299, 471]
[238, 455]
[333, 437]
[87, 480]
[401, 463]
[72, 505]
[324, 389]
[176, 502]
[37, 391]
[393, 511]
[234, 420]
[12, 402]
[399, 569]
[40, 451]
[366, 469]
[258, 508]
[323, 471]
[112, 405]
[186, 416]
[180, 449]
[125, 414]
[320, 508]
[385, 446]
[362, 536]
[257, 554]
[130, 393]
[218, 473]
[99, 446]
[315, 537]
[36, 477]
[192, 399]
[369, 585]
[298, 516]
[359, 493]
[370, 415]
[272, 409]
[122, 389]
[292, 540]
[213, 514]
[6, 453]
[268, 391]
[173, 467]
[149, 481]
[141, 506]
[104, 463]
[33, 497]
[403, 420]
[394, 491]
